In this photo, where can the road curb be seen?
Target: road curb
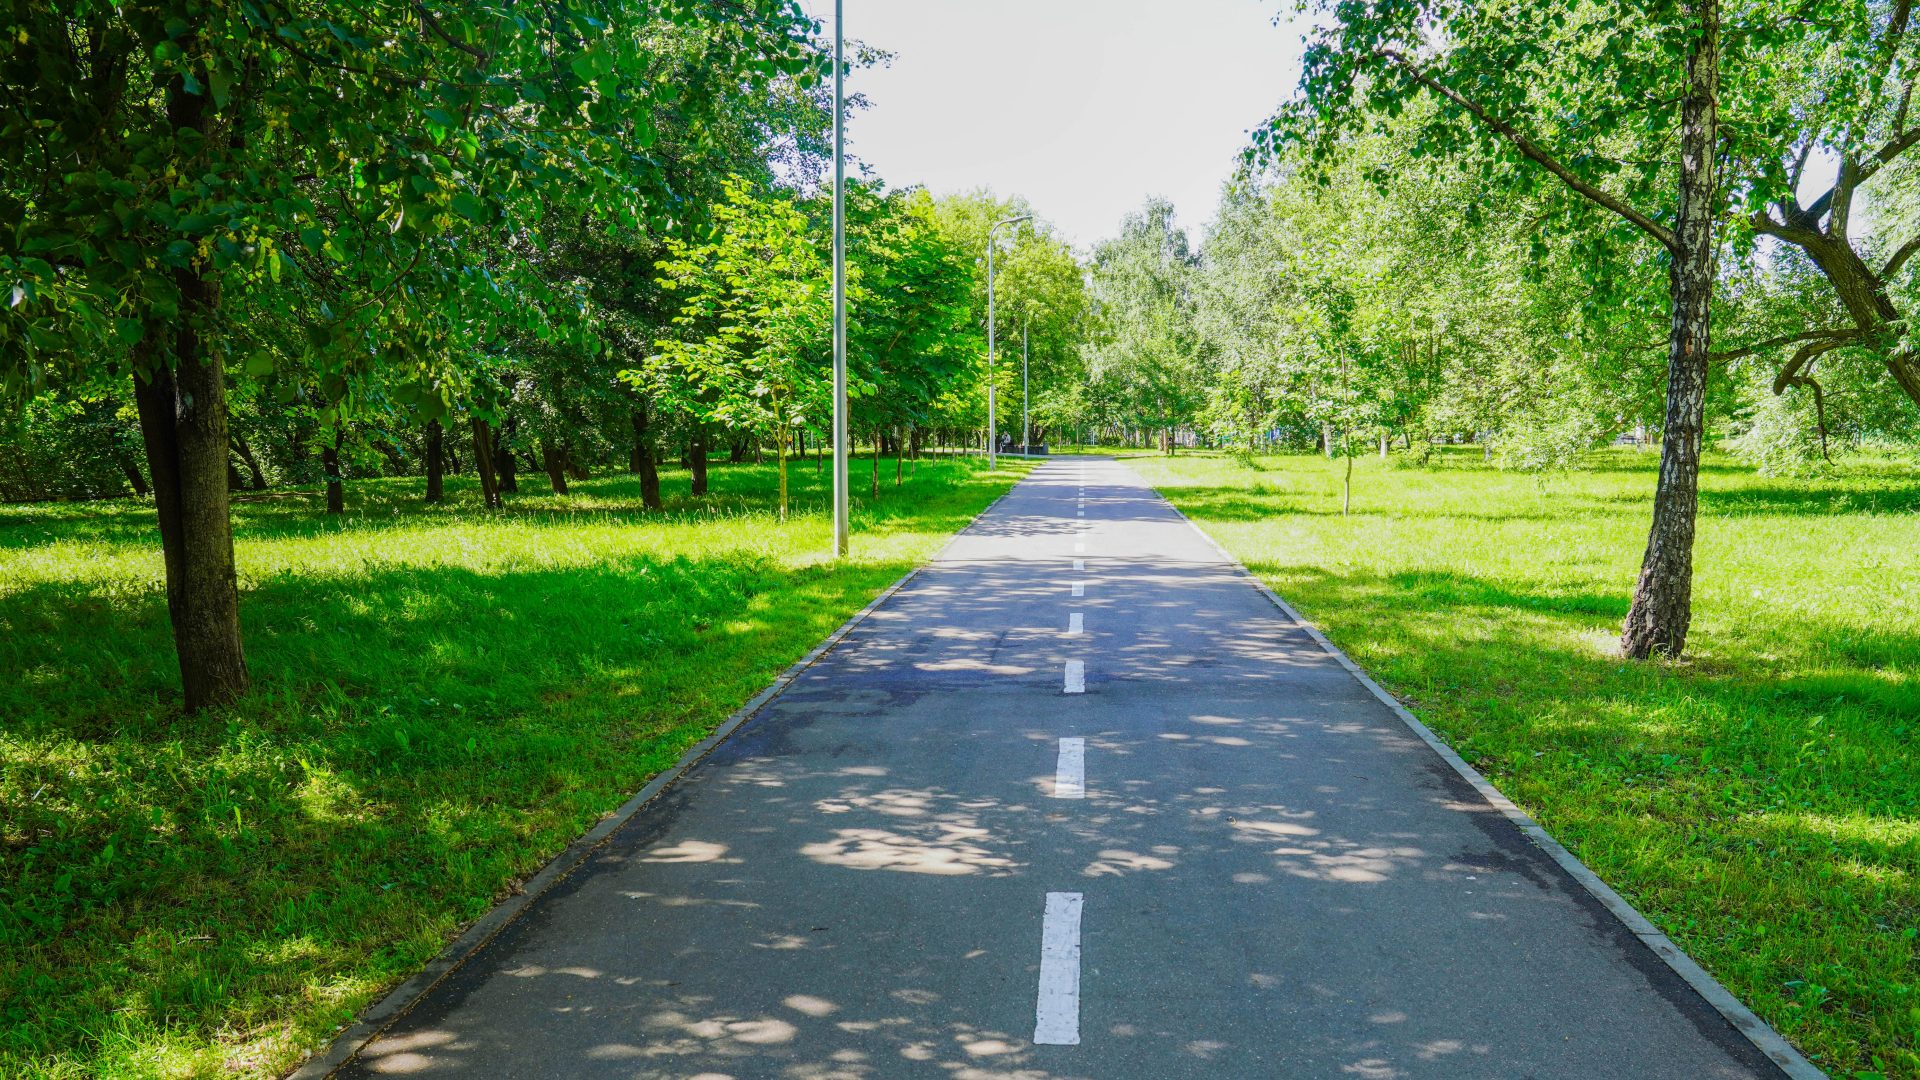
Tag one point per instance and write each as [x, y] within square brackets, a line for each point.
[1757, 1031]
[378, 1017]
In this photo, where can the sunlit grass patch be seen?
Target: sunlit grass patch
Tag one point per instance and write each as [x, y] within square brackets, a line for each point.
[1759, 801]
[443, 699]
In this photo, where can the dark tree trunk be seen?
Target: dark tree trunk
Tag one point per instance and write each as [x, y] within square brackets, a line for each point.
[256, 476]
[876, 466]
[135, 478]
[697, 462]
[336, 483]
[570, 462]
[737, 451]
[899, 459]
[554, 461]
[453, 457]
[483, 464]
[183, 423]
[235, 482]
[506, 468]
[436, 462]
[644, 461]
[396, 461]
[1662, 606]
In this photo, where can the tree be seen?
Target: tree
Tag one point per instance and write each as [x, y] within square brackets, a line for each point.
[372, 171]
[1643, 90]
[754, 324]
[1146, 357]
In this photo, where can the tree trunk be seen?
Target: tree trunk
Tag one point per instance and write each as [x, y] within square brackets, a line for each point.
[396, 463]
[235, 482]
[1346, 485]
[780, 440]
[554, 461]
[183, 421]
[876, 466]
[336, 488]
[737, 451]
[1383, 446]
[483, 464]
[436, 462]
[135, 477]
[899, 459]
[1326, 438]
[256, 477]
[644, 460]
[506, 468]
[697, 462]
[1662, 606]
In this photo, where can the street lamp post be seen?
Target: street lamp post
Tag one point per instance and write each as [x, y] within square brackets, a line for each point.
[839, 285]
[1026, 427]
[993, 434]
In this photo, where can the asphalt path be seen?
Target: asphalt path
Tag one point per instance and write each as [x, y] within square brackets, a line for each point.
[1077, 802]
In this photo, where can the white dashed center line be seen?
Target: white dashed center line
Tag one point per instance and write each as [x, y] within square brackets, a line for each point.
[1079, 588]
[1076, 624]
[1070, 775]
[1057, 1015]
[1079, 564]
[1076, 677]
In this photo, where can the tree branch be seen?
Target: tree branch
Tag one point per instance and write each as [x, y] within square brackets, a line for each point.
[1536, 153]
[1900, 257]
[1831, 338]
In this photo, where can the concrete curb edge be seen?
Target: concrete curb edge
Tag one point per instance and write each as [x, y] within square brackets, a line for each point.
[376, 1018]
[1763, 1037]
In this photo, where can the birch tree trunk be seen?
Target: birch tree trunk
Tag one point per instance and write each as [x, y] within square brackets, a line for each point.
[1662, 607]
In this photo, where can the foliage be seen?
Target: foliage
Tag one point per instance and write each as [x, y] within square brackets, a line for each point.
[1146, 361]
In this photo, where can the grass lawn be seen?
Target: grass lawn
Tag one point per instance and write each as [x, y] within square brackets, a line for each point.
[443, 699]
[1760, 801]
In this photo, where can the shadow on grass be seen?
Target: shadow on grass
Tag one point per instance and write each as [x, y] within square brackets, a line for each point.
[418, 739]
[1764, 813]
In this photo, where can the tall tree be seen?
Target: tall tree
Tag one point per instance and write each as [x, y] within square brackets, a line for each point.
[177, 167]
[1613, 107]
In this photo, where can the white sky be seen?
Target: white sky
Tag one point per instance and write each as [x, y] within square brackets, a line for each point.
[1085, 107]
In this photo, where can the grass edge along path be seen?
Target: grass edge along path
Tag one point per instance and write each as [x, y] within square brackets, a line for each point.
[445, 701]
[1760, 803]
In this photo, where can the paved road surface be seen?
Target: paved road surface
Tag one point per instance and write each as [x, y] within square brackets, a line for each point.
[972, 843]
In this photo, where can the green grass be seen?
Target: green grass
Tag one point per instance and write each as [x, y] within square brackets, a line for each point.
[1760, 801]
[443, 699]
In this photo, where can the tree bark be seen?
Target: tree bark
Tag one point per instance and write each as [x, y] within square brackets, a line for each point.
[876, 466]
[737, 451]
[183, 423]
[554, 461]
[780, 439]
[645, 459]
[1662, 608]
[483, 464]
[256, 477]
[336, 487]
[506, 468]
[697, 463]
[436, 462]
[1346, 485]
[135, 478]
